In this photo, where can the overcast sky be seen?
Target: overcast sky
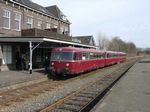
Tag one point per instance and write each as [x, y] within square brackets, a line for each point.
[127, 19]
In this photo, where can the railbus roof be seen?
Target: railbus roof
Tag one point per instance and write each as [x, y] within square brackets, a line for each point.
[75, 49]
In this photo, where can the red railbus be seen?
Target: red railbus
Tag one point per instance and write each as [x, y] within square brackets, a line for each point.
[114, 57]
[122, 56]
[71, 60]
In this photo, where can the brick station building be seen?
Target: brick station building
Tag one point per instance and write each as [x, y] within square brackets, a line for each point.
[28, 29]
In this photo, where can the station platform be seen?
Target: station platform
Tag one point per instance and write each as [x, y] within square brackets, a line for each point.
[131, 93]
[15, 79]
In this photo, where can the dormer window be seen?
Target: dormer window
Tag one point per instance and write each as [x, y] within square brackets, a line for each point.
[63, 17]
[43, 10]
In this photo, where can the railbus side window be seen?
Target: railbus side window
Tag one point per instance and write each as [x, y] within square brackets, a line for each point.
[77, 56]
[85, 56]
[91, 55]
[101, 56]
[95, 56]
[108, 56]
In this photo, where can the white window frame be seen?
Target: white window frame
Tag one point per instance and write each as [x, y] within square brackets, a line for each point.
[6, 14]
[48, 25]
[55, 25]
[18, 19]
[7, 54]
[66, 29]
[29, 21]
[62, 30]
[39, 24]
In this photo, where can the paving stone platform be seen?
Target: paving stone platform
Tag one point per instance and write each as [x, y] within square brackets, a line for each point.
[131, 93]
[14, 79]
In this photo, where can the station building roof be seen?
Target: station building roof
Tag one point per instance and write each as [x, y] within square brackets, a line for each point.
[89, 40]
[38, 8]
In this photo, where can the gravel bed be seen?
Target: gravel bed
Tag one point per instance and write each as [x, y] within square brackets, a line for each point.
[49, 97]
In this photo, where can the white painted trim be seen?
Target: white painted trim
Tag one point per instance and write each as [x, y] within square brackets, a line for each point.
[5, 9]
[65, 42]
[32, 21]
[17, 12]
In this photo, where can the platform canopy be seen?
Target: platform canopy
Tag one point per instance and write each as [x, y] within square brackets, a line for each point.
[42, 39]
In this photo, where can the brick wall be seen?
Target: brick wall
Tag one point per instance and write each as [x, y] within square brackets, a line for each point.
[24, 14]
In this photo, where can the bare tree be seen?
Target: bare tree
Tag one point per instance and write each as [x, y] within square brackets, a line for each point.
[117, 44]
[147, 51]
[131, 48]
[103, 41]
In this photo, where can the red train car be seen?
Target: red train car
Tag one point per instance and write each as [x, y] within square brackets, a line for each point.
[114, 57]
[70, 60]
[111, 58]
[122, 56]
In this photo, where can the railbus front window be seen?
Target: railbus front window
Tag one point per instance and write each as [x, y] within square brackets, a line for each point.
[62, 56]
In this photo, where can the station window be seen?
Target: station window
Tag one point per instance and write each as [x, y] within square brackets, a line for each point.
[17, 21]
[7, 54]
[6, 19]
[29, 22]
[39, 25]
[38, 56]
[48, 26]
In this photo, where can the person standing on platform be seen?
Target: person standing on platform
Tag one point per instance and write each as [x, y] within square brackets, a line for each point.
[23, 60]
[46, 65]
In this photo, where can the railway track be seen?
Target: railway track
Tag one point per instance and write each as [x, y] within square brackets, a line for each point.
[7, 97]
[84, 99]
[10, 97]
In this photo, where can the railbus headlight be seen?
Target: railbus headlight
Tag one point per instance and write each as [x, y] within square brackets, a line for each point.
[52, 63]
[67, 64]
